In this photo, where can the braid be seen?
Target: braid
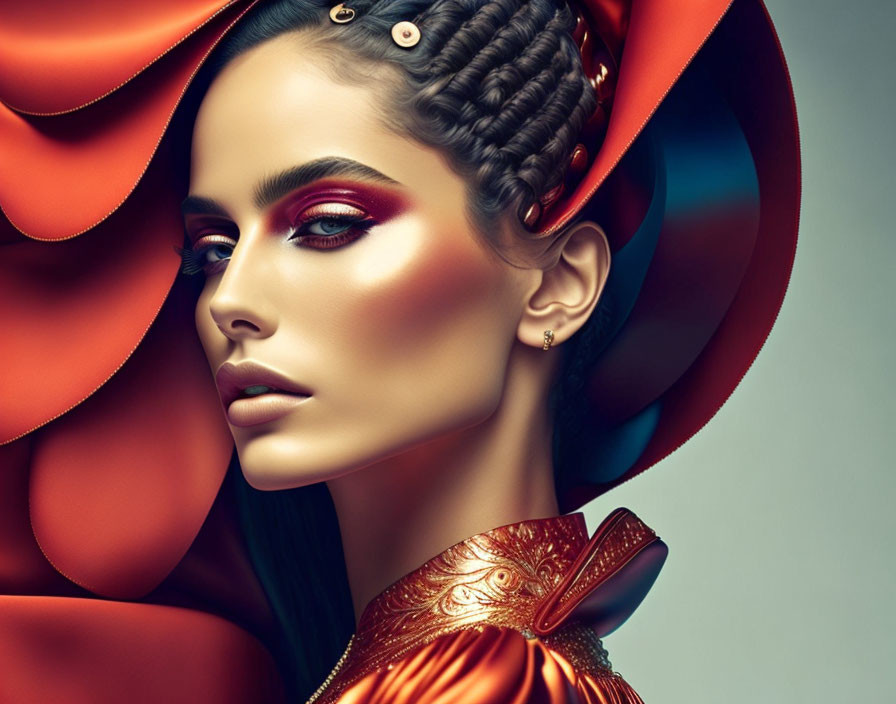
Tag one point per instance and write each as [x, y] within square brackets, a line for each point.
[496, 85]
[507, 96]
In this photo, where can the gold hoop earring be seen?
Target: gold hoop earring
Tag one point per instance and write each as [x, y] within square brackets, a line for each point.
[548, 339]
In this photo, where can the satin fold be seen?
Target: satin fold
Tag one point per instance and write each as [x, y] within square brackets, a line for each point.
[87, 651]
[491, 666]
[74, 53]
[23, 567]
[87, 162]
[121, 484]
[709, 221]
[512, 615]
[79, 308]
[773, 139]
[663, 36]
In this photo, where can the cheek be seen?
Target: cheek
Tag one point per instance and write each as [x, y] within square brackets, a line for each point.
[442, 282]
[429, 335]
[211, 338]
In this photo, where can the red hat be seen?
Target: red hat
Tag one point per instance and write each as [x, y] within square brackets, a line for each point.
[696, 182]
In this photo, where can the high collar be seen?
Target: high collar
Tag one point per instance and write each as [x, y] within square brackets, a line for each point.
[531, 577]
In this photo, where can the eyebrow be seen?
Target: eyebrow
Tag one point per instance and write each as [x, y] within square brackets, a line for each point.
[202, 206]
[273, 188]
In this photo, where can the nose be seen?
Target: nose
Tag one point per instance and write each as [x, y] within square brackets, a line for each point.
[238, 306]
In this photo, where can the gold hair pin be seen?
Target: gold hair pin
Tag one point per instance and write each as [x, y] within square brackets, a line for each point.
[405, 34]
[341, 14]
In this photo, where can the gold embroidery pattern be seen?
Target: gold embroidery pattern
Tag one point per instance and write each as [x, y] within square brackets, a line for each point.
[582, 649]
[499, 578]
[625, 539]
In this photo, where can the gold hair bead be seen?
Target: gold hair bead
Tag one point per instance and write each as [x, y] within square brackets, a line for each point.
[601, 83]
[549, 198]
[579, 159]
[532, 215]
[405, 34]
[341, 14]
[548, 339]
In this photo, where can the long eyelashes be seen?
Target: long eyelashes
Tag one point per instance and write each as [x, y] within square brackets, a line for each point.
[209, 254]
[190, 261]
[320, 227]
[329, 225]
[334, 231]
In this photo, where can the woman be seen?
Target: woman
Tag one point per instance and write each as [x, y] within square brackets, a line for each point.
[478, 261]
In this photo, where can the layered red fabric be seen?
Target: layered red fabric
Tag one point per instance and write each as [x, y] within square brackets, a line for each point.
[114, 448]
[125, 473]
[89, 651]
[115, 445]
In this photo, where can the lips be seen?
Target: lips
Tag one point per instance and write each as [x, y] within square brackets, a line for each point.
[270, 394]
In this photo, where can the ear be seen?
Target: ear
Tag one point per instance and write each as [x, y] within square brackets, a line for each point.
[568, 291]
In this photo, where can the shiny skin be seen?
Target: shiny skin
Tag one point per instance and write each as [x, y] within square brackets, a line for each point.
[401, 335]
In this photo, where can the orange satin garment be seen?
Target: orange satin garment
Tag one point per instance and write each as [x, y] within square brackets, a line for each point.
[510, 616]
[495, 666]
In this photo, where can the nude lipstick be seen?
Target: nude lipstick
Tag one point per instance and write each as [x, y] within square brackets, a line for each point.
[253, 394]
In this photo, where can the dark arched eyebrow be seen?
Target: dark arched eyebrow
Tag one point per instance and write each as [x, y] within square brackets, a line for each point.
[197, 205]
[273, 188]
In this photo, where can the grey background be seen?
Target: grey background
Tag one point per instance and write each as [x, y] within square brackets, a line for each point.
[780, 582]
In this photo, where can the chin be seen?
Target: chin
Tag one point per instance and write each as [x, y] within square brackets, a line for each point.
[275, 461]
[286, 459]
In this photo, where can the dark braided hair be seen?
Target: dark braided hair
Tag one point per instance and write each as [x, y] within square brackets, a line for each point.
[498, 87]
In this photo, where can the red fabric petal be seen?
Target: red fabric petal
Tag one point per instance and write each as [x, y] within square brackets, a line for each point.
[121, 485]
[774, 140]
[57, 55]
[87, 162]
[88, 651]
[75, 310]
[23, 568]
[663, 37]
[8, 233]
[692, 280]
[749, 73]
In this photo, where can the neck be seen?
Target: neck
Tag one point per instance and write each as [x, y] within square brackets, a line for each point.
[398, 513]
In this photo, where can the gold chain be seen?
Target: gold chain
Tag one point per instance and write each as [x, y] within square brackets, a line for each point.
[333, 673]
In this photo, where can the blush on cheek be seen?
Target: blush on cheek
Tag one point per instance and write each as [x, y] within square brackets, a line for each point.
[434, 283]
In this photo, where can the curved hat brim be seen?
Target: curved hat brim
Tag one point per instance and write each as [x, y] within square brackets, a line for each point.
[716, 275]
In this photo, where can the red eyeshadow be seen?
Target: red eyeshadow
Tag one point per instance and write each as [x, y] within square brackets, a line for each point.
[198, 225]
[378, 202]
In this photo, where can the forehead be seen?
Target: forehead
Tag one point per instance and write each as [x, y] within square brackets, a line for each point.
[277, 106]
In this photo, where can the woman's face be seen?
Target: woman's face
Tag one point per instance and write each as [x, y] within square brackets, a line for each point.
[349, 311]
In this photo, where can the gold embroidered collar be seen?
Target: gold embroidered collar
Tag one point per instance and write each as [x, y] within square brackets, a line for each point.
[528, 576]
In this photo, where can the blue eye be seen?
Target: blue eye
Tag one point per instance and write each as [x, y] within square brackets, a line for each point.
[209, 254]
[328, 226]
[216, 253]
[319, 229]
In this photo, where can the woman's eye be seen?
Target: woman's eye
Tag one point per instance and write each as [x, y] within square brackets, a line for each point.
[329, 226]
[208, 254]
[217, 253]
